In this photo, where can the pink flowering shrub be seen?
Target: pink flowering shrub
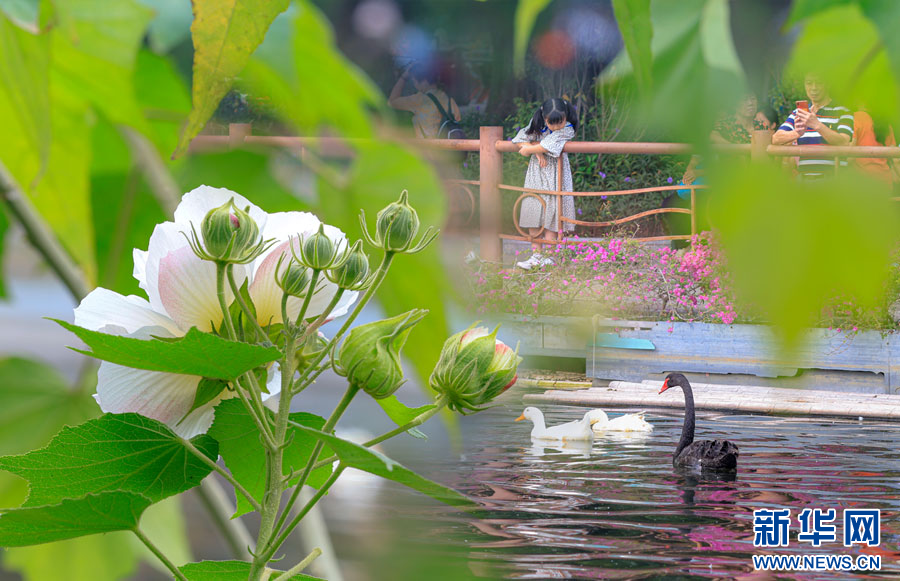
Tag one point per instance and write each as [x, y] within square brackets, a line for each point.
[619, 278]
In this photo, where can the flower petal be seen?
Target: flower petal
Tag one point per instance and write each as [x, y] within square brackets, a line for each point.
[264, 291]
[166, 397]
[109, 312]
[187, 289]
[166, 238]
[198, 202]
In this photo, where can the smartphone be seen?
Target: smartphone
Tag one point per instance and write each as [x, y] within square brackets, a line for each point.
[804, 105]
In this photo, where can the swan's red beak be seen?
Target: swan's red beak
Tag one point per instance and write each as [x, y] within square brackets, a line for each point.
[665, 386]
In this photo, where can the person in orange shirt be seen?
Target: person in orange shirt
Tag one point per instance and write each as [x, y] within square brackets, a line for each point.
[869, 133]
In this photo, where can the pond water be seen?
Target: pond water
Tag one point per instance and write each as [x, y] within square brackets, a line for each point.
[617, 509]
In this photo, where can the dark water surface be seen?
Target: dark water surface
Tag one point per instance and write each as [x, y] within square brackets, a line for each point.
[617, 509]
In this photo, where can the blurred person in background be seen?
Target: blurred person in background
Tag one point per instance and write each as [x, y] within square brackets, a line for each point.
[426, 103]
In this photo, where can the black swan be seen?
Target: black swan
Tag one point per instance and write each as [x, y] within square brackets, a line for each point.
[713, 455]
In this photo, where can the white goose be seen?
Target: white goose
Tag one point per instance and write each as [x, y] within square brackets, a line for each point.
[579, 430]
[601, 423]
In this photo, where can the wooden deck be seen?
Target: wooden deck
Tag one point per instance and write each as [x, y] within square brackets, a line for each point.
[737, 398]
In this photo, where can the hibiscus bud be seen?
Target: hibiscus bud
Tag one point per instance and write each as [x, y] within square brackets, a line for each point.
[319, 251]
[474, 368]
[351, 275]
[229, 233]
[397, 225]
[370, 355]
[294, 280]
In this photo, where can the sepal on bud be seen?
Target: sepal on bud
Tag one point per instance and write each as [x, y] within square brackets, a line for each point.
[353, 274]
[228, 235]
[370, 355]
[474, 368]
[396, 227]
[295, 279]
[320, 252]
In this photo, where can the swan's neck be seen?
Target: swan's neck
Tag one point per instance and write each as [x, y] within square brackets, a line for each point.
[687, 432]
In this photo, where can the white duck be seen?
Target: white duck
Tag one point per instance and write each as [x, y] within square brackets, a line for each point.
[568, 432]
[601, 423]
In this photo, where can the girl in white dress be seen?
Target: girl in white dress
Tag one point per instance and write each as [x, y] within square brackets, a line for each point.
[552, 125]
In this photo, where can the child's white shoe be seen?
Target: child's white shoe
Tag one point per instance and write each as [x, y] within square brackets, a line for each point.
[535, 260]
[547, 262]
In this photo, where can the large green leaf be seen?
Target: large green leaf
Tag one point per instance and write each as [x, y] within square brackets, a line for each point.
[633, 17]
[367, 460]
[225, 34]
[127, 452]
[527, 12]
[781, 240]
[400, 413]
[229, 571]
[244, 454]
[325, 89]
[108, 557]
[94, 49]
[96, 513]
[197, 353]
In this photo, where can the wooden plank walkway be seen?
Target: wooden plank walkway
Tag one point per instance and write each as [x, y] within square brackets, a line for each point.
[743, 398]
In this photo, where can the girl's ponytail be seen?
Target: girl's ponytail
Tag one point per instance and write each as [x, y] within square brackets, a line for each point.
[571, 115]
[536, 127]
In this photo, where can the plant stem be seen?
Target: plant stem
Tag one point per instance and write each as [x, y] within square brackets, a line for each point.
[248, 314]
[159, 555]
[307, 507]
[224, 473]
[309, 294]
[311, 328]
[302, 565]
[42, 237]
[379, 277]
[214, 500]
[420, 419]
[329, 425]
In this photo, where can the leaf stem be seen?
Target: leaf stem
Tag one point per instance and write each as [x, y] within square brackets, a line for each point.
[309, 293]
[248, 314]
[302, 565]
[222, 472]
[159, 555]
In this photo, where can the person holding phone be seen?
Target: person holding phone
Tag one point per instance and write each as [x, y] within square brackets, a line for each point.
[818, 121]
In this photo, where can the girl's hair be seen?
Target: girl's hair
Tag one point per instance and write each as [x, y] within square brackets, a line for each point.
[552, 111]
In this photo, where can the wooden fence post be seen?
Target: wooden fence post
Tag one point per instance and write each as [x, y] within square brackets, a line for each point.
[237, 132]
[760, 139]
[491, 174]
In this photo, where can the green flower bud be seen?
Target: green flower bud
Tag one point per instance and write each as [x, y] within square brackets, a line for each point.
[294, 281]
[319, 251]
[351, 275]
[370, 355]
[230, 234]
[397, 225]
[474, 368]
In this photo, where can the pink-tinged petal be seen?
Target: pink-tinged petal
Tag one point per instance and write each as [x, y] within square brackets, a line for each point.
[166, 397]
[282, 226]
[198, 202]
[325, 290]
[473, 334]
[265, 292]
[109, 312]
[166, 238]
[187, 289]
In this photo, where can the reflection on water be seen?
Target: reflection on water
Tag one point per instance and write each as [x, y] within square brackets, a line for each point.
[616, 509]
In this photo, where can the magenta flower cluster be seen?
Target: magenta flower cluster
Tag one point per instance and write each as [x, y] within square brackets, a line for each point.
[618, 278]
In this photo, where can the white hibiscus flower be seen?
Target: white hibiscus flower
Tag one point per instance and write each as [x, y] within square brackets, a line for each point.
[181, 289]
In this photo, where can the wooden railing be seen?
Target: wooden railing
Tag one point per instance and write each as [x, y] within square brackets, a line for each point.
[491, 146]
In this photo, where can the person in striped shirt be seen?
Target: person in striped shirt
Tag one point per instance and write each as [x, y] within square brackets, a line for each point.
[824, 124]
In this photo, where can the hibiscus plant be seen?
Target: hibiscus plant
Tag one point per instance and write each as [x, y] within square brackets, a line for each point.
[210, 365]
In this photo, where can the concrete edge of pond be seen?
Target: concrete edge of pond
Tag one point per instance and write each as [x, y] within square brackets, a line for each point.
[735, 398]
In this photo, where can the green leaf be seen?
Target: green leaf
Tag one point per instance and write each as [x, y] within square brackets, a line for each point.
[322, 88]
[24, 13]
[244, 454]
[229, 571]
[108, 557]
[197, 353]
[356, 456]
[225, 34]
[780, 240]
[527, 12]
[401, 414]
[94, 49]
[207, 390]
[96, 513]
[124, 452]
[633, 17]
[801, 9]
